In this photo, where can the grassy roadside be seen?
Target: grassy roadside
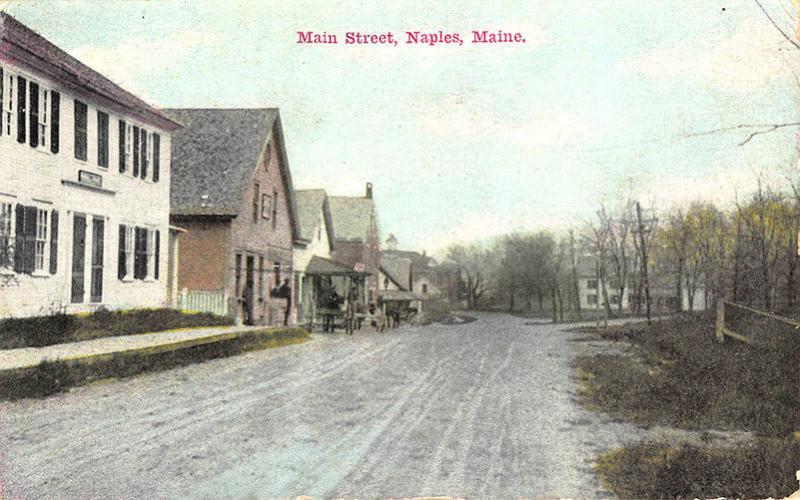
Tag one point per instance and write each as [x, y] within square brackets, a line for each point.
[51, 377]
[674, 373]
[61, 328]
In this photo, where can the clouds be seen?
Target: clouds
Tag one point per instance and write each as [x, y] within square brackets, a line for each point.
[752, 57]
[133, 60]
[457, 116]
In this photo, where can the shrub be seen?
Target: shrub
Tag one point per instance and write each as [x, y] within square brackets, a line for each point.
[59, 328]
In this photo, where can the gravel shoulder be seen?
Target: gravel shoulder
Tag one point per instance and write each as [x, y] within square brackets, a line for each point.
[482, 409]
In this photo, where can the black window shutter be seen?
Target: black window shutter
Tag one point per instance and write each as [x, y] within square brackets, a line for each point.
[122, 264]
[81, 131]
[2, 82]
[29, 257]
[19, 239]
[140, 254]
[157, 254]
[21, 88]
[136, 151]
[34, 114]
[156, 157]
[143, 145]
[102, 139]
[121, 146]
[54, 242]
[55, 115]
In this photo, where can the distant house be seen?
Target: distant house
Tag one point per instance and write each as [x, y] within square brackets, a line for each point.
[357, 245]
[423, 271]
[232, 192]
[590, 287]
[316, 241]
[663, 294]
[84, 185]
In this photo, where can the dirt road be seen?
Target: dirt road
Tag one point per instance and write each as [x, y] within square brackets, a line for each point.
[480, 409]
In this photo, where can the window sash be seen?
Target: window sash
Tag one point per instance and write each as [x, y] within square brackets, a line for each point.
[44, 116]
[6, 236]
[9, 109]
[128, 252]
[41, 246]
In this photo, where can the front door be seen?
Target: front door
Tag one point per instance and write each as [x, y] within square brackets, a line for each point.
[249, 290]
[78, 258]
[98, 230]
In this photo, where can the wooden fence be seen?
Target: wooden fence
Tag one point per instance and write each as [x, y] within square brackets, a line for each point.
[722, 329]
[212, 301]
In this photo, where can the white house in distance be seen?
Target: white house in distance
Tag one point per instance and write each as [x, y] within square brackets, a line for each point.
[662, 292]
[84, 185]
[316, 243]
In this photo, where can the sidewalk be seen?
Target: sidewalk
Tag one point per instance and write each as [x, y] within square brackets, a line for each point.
[30, 356]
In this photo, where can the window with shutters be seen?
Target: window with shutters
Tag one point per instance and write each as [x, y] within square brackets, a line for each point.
[81, 131]
[140, 254]
[9, 111]
[6, 237]
[41, 241]
[128, 147]
[126, 244]
[143, 153]
[149, 154]
[44, 117]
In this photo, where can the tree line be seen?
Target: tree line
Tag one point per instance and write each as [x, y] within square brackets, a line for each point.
[745, 252]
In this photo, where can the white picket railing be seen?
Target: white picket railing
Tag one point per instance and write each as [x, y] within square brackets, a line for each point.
[210, 301]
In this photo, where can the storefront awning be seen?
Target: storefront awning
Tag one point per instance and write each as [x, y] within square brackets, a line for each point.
[327, 267]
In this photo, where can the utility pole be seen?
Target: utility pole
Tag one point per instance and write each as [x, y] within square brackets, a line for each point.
[575, 288]
[643, 250]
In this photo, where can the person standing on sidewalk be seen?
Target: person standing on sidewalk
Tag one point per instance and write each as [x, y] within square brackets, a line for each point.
[285, 291]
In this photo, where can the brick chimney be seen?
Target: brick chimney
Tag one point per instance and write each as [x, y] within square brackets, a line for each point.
[369, 190]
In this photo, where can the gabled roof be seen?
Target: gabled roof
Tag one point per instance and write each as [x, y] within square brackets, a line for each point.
[214, 158]
[421, 262]
[23, 46]
[352, 217]
[313, 209]
[396, 269]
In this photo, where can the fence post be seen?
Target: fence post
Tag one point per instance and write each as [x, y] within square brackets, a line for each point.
[720, 321]
[184, 299]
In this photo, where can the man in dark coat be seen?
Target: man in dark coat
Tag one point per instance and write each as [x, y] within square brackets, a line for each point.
[285, 291]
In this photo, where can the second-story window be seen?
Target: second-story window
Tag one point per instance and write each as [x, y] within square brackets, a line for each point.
[81, 131]
[102, 139]
[144, 158]
[8, 103]
[256, 195]
[44, 116]
[129, 146]
[274, 209]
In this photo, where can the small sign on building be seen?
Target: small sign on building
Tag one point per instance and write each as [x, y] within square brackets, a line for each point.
[90, 179]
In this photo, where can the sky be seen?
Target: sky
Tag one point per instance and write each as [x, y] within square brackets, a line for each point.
[601, 102]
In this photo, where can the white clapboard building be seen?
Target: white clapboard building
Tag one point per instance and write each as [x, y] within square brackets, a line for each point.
[84, 185]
